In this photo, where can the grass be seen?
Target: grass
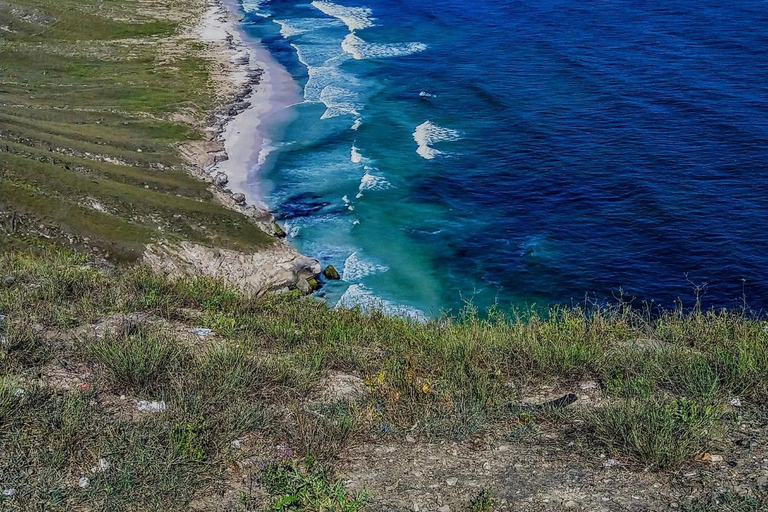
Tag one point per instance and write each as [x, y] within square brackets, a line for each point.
[666, 378]
[136, 361]
[88, 90]
[307, 486]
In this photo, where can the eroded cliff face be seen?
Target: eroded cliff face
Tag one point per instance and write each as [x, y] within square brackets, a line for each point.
[278, 267]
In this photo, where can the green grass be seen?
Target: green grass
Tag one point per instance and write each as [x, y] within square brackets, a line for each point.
[666, 381]
[308, 487]
[136, 361]
[86, 132]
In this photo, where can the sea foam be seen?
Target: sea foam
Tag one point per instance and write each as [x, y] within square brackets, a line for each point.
[255, 7]
[355, 156]
[361, 50]
[428, 134]
[357, 267]
[371, 182]
[300, 26]
[355, 18]
[358, 295]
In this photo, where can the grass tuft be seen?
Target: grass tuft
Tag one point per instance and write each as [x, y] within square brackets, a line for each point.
[136, 361]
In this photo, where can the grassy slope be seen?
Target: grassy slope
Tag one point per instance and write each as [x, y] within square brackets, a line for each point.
[80, 84]
[666, 382]
[77, 80]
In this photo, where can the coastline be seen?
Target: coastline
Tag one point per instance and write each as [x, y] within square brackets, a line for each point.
[252, 88]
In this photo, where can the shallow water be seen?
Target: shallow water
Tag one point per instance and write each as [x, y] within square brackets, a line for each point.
[524, 152]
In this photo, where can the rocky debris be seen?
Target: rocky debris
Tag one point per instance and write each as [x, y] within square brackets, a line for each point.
[119, 325]
[337, 386]
[277, 267]
[146, 406]
[331, 273]
[220, 179]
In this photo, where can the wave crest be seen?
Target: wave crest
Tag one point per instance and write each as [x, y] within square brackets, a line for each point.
[361, 50]
[355, 18]
[427, 134]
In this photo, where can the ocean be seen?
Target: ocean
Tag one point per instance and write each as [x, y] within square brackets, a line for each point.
[520, 152]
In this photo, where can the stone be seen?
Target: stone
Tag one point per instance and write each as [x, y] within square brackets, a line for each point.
[9, 281]
[238, 198]
[120, 325]
[611, 463]
[487, 466]
[331, 273]
[452, 481]
[83, 482]
[146, 406]
[444, 508]
[415, 507]
[279, 232]
[735, 402]
[276, 267]
[313, 284]
[220, 179]
[339, 386]
[570, 505]
[102, 466]
[201, 331]
[8, 493]
[410, 439]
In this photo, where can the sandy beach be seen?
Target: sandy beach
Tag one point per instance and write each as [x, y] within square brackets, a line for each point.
[263, 91]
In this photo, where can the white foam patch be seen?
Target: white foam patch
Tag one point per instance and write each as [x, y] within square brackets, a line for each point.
[427, 134]
[255, 7]
[327, 83]
[355, 156]
[300, 26]
[358, 295]
[371, 182]
[357, 124]
[356, 267]
[425, 94]
[355, 18]
[267, 149]
[361, 50]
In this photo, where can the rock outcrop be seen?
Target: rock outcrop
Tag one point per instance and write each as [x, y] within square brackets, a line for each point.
[277, 267]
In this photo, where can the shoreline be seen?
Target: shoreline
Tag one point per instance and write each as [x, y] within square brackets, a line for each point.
[249, 89]
[263, 92]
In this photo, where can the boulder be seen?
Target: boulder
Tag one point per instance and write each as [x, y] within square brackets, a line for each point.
[313, 284]
[239, 198]
[278, 230]
[220, 179]
[331, 273]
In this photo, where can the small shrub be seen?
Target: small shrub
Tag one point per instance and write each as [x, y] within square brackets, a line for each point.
[187, 439]
[137, 361]
[307, 487]
[660, 434]
[322, 433]
[482, 501]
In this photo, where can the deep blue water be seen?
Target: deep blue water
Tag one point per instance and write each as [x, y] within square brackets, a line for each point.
[580, 148]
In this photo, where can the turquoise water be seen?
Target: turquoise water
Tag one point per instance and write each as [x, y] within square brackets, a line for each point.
[524, 152]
